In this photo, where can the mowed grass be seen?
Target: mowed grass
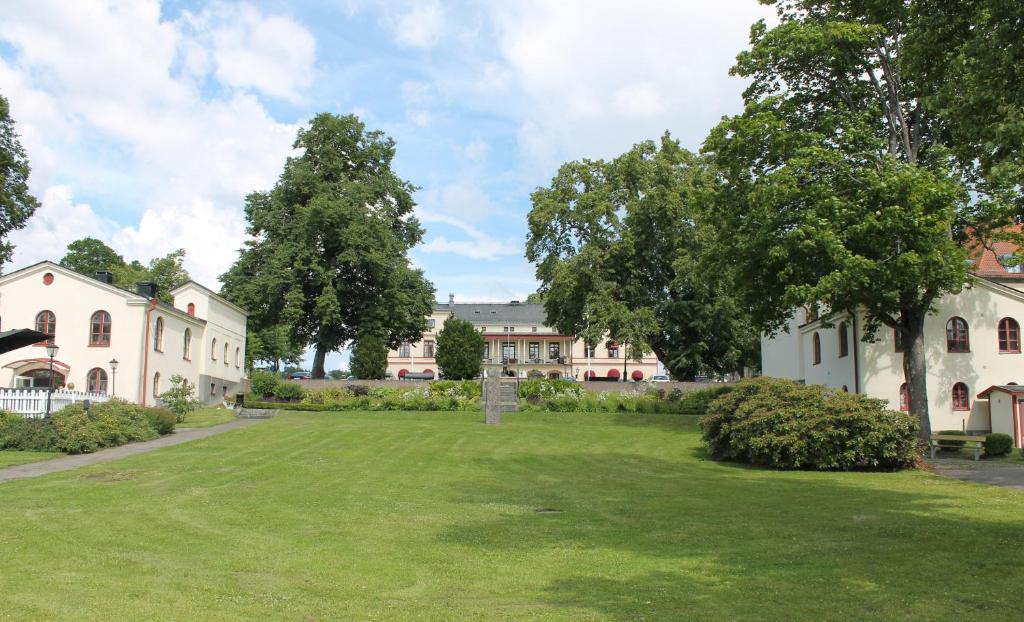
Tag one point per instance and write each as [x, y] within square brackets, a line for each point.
[14, 458]
[207, 417]
[434, 516]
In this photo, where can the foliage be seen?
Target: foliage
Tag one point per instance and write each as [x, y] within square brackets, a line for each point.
[459, 350]
[89, 256]
[181, 397]
[616, 246]
[263, 383]
[787, 425]
[337, 374]
[998, 444]
[441, 395]
[16, 202]
[835, 186]
[289, 391]
[369, 357]
[327, 257]
[548, 388]
[74, 430]
[273, 345]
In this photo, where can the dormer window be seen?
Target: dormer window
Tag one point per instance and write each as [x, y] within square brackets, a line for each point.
[1010, 263]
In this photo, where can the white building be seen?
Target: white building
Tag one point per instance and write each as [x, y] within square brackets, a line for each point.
[201, 337]
[516, 337]
[973, 345]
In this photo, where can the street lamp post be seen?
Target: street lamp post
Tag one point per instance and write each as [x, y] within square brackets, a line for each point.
[113, 377]
[51, 351]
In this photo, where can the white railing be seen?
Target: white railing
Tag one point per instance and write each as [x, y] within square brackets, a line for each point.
[32, 402]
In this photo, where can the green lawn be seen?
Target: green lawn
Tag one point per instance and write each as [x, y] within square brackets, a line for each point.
[433, 516]
[13, 458]
[206, 417]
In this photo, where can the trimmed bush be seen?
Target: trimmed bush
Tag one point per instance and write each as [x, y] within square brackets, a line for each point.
[459, 345]
[289, 392]
[75, 431]
[263, 383]
[998, 444]
[786, 425]
[951, 445]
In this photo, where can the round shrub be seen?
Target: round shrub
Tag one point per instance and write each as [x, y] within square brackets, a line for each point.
[782, 424]
[162, 420]
[263, 383]
[998, 444]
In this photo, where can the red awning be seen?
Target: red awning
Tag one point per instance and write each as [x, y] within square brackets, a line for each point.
[637, 374]
[41, 361]
[613, 373]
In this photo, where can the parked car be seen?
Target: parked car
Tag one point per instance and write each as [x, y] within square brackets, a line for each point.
[659, 378]
[301, 375]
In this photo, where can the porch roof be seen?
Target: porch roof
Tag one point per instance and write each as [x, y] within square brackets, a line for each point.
[1012, 389]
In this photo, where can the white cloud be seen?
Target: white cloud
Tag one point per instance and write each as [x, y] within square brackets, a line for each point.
[480, 245]
[273, 54]
[476, 150]
[108, 102]
[421, 25]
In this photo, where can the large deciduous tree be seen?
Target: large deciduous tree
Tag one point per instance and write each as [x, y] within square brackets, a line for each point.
[16, 203]
[459, 350]
[88, 256]
[836, 187]
[616, 244]
[328, 256]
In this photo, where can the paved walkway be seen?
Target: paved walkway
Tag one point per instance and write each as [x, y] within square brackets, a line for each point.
[992, 471]
[184, 435]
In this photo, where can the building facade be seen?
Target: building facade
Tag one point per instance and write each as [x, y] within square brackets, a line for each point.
[94, 323]
[973, 345]
[516, 337]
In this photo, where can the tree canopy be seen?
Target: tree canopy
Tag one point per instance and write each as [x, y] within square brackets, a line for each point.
[16, 203]
[459, 350]
[88, 256]
[836, 188]
[369, 357]
[616, 245]
[327, 257]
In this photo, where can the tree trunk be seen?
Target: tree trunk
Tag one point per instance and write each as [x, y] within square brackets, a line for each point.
[318, 363]
[915, 370]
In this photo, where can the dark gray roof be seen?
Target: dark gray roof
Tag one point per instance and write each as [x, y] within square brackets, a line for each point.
[489, 313]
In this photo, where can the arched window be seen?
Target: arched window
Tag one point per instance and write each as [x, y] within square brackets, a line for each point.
[158, 335]
[844, 340]
[816, 346]
[46, 322]
[186, 350]
[1009, 335]
[960, 399]
[96, 380]
[956, 335]
[904, 397]
[238, 357]
[99, 329]
[156, 385]
[191, 308]
[225, 353]
[213, 349]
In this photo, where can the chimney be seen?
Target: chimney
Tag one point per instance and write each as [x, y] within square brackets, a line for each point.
[451, 301]
[146, 288]
[105, 276]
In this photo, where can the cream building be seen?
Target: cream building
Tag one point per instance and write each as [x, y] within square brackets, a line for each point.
[973, 344]
[517, 339]
[200, 337]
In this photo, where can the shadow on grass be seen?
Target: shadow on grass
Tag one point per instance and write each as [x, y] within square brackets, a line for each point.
[704, 541]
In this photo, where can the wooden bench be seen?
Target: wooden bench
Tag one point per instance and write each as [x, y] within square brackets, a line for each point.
[935, 443]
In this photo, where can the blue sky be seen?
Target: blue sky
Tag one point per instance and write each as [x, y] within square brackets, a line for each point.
[146, 123]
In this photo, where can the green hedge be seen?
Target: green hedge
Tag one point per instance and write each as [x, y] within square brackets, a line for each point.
[998, 444]
[75, 431]
[786, 425]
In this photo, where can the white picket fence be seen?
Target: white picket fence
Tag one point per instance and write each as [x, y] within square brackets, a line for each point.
[32, 402]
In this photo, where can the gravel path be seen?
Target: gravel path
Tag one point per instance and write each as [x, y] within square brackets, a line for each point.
[985, 471]
[184, 435]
